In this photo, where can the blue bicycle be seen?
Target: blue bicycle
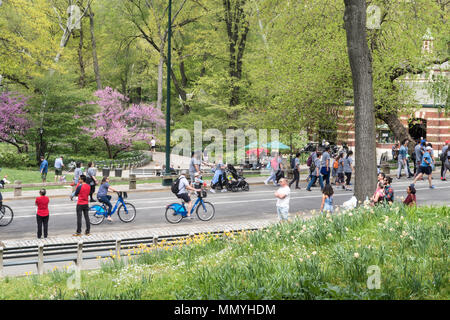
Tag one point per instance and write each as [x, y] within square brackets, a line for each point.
[205, 210]
[125, 210]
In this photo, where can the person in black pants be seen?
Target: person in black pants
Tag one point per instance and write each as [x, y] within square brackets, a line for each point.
[42, 213]
[296, 171]
[82, 193]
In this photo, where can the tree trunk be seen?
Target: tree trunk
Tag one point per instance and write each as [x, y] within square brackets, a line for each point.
[82, 80]
[361, 66]
[400, 132]
[94, 50]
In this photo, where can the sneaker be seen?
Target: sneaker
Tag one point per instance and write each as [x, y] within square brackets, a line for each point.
[297, 188]
[308, 189]
[92, 200]
[109, 219]
[212, 190]
[87, 234]
[224, 190]
[190, 217]
[266, 183]
[431, 187]
[77, 235]
[71, 198]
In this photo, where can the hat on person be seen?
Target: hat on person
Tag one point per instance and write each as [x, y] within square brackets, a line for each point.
[428, 148]
[423, 141]
[183, 172]
[196, 174]
[447, 142]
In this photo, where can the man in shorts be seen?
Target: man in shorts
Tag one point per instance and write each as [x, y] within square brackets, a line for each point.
[43, 169]
[183, 193]
[425, 167]
[58, 167]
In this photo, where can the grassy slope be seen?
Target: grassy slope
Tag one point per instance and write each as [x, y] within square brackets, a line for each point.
[324, 258]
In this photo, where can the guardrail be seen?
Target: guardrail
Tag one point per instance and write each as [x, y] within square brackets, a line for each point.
[12, 257]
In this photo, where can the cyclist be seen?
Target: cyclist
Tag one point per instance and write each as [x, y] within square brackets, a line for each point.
[183, 187]
[103, 196]
[2, 186]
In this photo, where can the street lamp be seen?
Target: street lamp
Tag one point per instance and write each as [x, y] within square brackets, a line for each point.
[167, 180]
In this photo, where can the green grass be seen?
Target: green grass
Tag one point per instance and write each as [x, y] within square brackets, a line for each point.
[322, 258]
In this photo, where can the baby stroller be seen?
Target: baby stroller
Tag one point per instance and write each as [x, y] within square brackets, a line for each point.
[234, 181]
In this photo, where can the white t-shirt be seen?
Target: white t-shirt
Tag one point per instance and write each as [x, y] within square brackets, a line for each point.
[284, 203]
[153, 142]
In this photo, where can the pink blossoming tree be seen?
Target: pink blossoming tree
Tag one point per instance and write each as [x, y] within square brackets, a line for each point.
[13, 120]
[119, 124]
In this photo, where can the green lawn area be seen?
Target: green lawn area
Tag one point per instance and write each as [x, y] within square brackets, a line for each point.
[327, 257]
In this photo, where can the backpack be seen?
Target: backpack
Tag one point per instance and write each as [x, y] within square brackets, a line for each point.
[176, 186]
[335, 164]
[309, 161]
[293, 163]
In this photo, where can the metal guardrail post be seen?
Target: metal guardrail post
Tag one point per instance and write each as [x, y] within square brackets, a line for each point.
[118, 241]
[1, 262]
[155, 241]
[40, 262]
[79, 260]
[132, 182]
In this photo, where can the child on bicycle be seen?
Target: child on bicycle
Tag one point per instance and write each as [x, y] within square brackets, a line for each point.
[103, 196]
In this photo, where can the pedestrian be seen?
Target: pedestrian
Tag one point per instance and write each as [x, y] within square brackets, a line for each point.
[445, 161]
[218, 179]
[419, 151]
[42, 213]
[395, 151]
[334, 173]
[327, 199]
[274, 166]
[295, 166]
[91, 180]
[325, 165]
[153, 145]
[431, 151]
[283, 195]
[340, 169]
[194, 165]
[411, 198]
[348, 169]
[388, 190]
[2, 186]
[403, 151]
[43, 168]
[58, 168]
[443, 157]
[103, 196]
[425, 168]
[316, 173]
[82, 193]
[77, 173]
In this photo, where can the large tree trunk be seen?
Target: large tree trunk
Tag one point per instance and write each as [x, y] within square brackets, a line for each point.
[94, 50]
[237, 26]
[361, 66]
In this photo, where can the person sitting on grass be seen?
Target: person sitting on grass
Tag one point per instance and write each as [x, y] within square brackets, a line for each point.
[411, 198]
[388, 191]
[327, 199]
[378, 195]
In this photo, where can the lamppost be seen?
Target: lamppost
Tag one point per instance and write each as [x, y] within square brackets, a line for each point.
[167, 180]
[41, 132]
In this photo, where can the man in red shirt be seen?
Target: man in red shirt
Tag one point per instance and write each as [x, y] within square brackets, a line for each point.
[42, 213]
[82, 193]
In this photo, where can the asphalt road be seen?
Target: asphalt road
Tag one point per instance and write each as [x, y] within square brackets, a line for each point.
[258, 202]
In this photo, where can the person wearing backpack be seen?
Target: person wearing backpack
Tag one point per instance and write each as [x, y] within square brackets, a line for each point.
[295, 166]
[180, 188]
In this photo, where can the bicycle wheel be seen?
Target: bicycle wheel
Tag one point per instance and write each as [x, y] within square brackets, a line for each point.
[172, 216]
[205, 211]
[96, 214]
[126, 212]
[246, 187]
[6, 216]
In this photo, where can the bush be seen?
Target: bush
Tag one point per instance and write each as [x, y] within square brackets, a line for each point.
[12, 159]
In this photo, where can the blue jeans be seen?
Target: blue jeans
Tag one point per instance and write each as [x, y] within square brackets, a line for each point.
[107, 202]
[283, 213]
[313, 180]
